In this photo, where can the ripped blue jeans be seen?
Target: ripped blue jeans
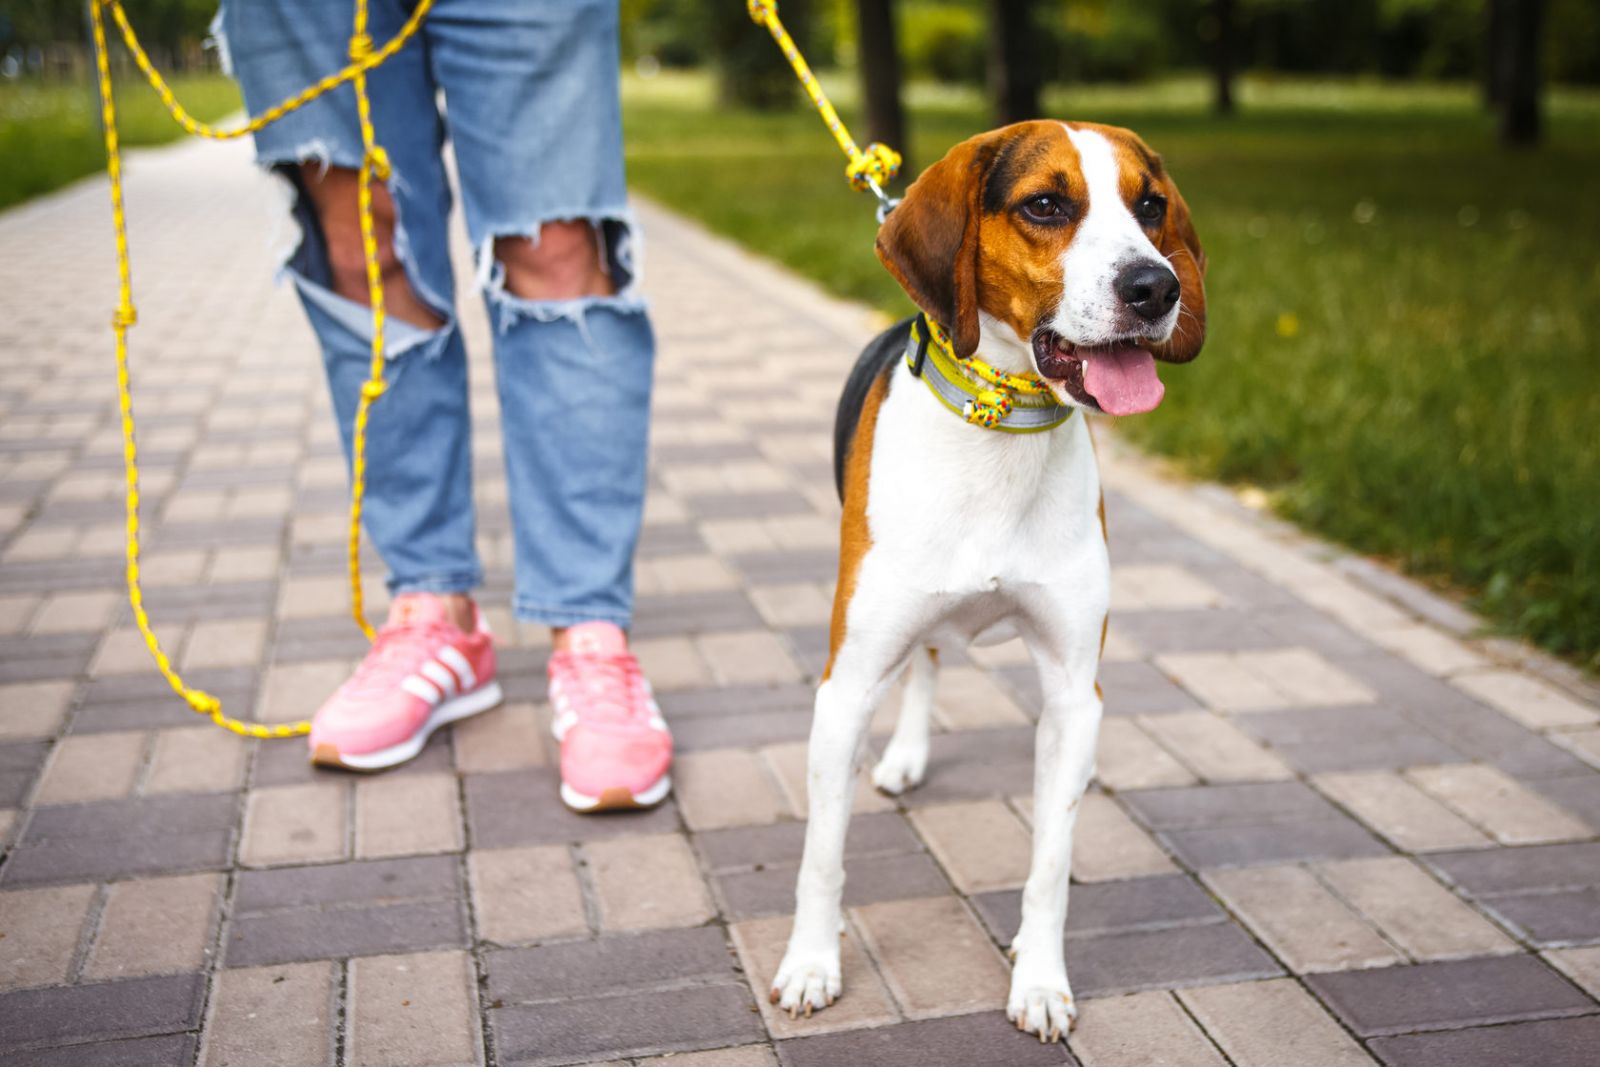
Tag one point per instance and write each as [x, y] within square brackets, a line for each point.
[525, 92]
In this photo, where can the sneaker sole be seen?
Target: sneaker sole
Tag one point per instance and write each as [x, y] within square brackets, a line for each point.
[617, 799]
[468, 704]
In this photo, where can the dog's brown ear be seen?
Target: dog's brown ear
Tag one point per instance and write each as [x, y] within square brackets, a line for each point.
[930, 241]
[1181, 245]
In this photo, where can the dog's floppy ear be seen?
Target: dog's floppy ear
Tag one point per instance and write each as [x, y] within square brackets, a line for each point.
[930, 241]
[1181, 245]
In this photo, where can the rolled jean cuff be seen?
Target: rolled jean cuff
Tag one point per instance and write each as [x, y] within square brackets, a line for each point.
[461, 582]
[527, 611]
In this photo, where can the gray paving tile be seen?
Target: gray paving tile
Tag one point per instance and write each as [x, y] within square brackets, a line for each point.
[868, 879]
[636, 1024]
[682, 704]
[1315, 740]
[1205, 954]
[610, 965]
[1240, 846]
[746, 847]
[19, 766]
[312, 934]
[747, 505]
[132, 1052]
[1227, 805]
[1552, 1043]
[1567, 917]
[1138, 688]
[524, 808]
[1488, 872]
[1441, 996]
[691, 613]
[1110, 907]
[137, 1007]
[984, 1039]
[362, 882]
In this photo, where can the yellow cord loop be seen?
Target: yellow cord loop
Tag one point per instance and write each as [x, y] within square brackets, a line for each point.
[870, 169]
[374, 163]
[990, 406]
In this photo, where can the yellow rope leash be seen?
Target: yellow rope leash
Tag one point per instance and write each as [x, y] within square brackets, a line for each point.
[374, 162]
[871, 168]
[988, 406]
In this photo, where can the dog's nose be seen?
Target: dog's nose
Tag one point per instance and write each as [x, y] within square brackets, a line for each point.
[1148, 288]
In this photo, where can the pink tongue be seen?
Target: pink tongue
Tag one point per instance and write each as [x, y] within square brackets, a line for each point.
[1123, 381]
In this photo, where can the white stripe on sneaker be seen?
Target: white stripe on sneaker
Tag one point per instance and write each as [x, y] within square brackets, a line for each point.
[458, 663]
[422, 689]
[439, 676]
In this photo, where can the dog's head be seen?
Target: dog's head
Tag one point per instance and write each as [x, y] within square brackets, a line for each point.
[1066, 242]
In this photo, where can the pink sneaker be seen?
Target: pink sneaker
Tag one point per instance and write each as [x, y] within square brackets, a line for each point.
[423, 671]
[615, 747]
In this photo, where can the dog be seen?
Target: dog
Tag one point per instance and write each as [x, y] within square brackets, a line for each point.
[1053, 264]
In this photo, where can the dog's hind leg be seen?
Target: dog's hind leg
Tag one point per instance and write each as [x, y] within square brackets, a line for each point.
[809, 977]
[905, 758]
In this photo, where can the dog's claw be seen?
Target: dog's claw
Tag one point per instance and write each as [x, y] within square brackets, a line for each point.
[773, 995]
[808, 1009]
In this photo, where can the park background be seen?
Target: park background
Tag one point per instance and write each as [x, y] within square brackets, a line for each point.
[1397, 198]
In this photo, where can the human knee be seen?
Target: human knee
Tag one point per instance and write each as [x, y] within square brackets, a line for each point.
[561, 263]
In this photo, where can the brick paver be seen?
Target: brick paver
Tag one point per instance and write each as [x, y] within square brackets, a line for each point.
[1331, 825]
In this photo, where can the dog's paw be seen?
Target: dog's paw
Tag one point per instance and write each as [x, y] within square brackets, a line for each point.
[1041, 1004]
[900, 769]
[807, 981]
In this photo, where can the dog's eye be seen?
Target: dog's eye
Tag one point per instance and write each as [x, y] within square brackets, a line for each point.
[1150, 210]
[1045, 208]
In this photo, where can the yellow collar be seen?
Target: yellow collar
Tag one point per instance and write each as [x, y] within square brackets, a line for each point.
[978, 392]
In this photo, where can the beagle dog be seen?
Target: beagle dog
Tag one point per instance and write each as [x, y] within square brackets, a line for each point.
[1053, 263]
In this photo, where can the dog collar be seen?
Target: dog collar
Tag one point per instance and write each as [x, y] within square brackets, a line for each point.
[980, 394]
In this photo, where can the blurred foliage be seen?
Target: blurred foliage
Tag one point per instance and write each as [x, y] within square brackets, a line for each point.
[166, 25]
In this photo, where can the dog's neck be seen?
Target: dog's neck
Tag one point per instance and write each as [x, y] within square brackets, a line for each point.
[999, 347]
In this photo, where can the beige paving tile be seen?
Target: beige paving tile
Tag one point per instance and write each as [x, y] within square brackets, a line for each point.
[690, 574]
[225, 643]
[934, 957]
[1219, 681]
[753, 657]
[196, 759]
[792, 604]
[39, 929]
[1159, 587]
[33, 709]
[178, 567]
[865, 1002]
[1128, 758]
[1010, 653]
[293, 691]
[1412, 910]
[156, 926]
[295, 824]
[1582, 965]
[968, 699]
[1274, 1023]
[730, 536]
[723, 787]
[672, 663]
[8, 824]
[283, 1014]
[1531, 702]
[1397, 809]
[743, 1056]
[418, 1010]
[1307, 679]
[244, 564]
[1427, 648]
[16, 612]
[123, 651]
[643, 883]
[508, 738]
[981, 844]
[1307, 927]
[1583, 743]
[1145, 1028]
[526, 894]
[85, 767]
[407, 815]
[1498, 804]
[1107, 845]
[787, 762]
[65, 613]
[1214, 748]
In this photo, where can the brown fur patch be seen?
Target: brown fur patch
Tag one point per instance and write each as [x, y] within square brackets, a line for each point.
[854, 536]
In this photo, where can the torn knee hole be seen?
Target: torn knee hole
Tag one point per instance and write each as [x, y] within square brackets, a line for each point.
[561, 261]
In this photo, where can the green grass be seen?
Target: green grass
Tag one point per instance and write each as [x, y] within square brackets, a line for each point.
[1404, 319]
[50, 134]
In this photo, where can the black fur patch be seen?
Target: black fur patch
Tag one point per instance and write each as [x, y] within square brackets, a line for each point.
[877, 360]
[1010, 164]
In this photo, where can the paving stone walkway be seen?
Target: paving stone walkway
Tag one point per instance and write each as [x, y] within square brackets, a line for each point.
[1328, 828]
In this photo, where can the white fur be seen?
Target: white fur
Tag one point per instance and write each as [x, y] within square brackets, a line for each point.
[1108, 238]
[970, 529]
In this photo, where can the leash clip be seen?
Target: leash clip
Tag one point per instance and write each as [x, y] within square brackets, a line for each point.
[886, 203]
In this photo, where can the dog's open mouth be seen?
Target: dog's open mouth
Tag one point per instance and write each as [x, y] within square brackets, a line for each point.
[1118, 378]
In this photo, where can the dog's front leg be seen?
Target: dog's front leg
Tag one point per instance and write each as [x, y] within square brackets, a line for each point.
[1041, 997]
[809, 977]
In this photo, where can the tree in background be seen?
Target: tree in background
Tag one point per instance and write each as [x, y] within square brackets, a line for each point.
[750, 70]
[1015, 77]
[878, 55]
[1222, 53]
[1515, 60]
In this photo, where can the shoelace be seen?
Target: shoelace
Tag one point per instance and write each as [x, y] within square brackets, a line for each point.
[394, 654]
[612, 685]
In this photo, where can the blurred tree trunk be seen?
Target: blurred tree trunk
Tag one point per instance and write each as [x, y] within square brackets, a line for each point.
[880, 77]
[1494, 59]
[751, 72]
[1521, 121]
[1013, 61]
[1223, 57]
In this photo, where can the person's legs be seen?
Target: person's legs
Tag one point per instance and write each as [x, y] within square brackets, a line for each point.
[531, 100]
[433, 662]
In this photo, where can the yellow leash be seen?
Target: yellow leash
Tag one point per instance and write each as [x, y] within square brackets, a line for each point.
[373, 162]
[869, 168]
